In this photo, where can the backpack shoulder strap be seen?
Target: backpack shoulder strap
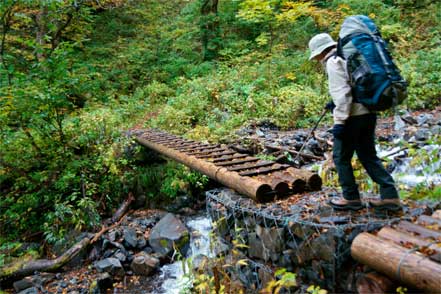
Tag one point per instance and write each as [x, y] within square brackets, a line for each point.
[341, 42]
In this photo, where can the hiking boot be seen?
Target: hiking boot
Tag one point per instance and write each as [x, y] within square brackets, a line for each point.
[341, 203]
[393, 204]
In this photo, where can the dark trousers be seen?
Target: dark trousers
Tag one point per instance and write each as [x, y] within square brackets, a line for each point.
[360, 137]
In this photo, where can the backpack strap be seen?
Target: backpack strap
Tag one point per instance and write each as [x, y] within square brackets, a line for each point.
[341, 42]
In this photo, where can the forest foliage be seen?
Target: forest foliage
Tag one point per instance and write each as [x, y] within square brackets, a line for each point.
[75, 75]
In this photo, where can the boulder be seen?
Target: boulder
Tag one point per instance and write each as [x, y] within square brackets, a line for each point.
[130, 240]
[110, 265]
[167, 233]
[144, 264]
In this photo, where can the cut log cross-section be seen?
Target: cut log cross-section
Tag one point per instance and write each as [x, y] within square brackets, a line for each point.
[397, 262]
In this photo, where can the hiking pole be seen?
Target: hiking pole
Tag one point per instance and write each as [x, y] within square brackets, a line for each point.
[309, 136]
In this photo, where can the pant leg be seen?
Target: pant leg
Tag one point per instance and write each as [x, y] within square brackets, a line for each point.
[343, 150]
[365, 148]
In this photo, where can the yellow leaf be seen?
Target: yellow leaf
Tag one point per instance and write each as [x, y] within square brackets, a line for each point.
[242, 262]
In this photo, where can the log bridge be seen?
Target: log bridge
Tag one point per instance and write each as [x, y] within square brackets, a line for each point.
[261, 180]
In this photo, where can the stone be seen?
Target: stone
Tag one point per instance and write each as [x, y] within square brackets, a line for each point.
[23, 284]
[144, 264]
[265, 276]
[141, 243]
[167, 233]
[120, 256]
[148, 250]
[408, 118]
[323, 247]
[424, 118]
[436, 130]
[272, 238]
[422, 134]
[200, 263]
[130, 239]
[32, 290]
[114, 235]
[35, 280]
[255, 247]
[103, 282]
[300, 230]
[110, 265]
[221, 248]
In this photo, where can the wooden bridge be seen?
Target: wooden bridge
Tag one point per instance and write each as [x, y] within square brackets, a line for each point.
[261, 180]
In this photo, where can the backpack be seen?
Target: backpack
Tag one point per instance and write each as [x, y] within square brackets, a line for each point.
[375, 79]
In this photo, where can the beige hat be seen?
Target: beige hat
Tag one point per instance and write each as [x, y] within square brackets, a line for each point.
[319, 43]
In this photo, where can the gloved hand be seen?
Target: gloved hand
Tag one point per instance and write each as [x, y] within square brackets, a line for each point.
[338, 131]
[330, 106]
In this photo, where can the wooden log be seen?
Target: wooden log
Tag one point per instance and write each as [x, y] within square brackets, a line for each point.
[426, 220]
[313, 180]
[437, 214]
[374, 283]
[419, 230]
[397, 262]
[404, 239]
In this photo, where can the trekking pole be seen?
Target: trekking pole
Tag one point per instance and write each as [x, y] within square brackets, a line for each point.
[309, 136]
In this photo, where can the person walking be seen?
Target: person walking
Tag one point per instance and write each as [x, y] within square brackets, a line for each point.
[353, 131]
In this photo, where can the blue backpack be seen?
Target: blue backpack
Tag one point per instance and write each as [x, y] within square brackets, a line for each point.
[375, 79]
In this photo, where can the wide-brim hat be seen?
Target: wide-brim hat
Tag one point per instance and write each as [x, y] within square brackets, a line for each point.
[320, 43]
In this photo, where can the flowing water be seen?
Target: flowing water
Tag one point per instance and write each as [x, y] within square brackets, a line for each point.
[409, 172]
[174, 275]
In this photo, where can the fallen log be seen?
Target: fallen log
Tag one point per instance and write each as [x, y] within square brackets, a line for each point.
[404, 239]
[419, 230]
[22, 269]
[397, 262]
[374, 283]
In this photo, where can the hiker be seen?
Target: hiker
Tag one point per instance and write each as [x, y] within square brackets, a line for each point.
[353, 131]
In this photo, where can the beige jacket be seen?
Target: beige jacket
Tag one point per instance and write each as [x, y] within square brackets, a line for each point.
[340, 89]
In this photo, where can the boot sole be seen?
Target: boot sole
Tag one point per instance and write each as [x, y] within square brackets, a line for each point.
[346, 207]
[389, 207]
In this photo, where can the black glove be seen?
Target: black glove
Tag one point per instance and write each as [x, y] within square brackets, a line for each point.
[338, 131]
[330, 106]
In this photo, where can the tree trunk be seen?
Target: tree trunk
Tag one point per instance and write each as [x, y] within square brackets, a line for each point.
[40, 20]
[406, 240]
[397, 262]
[210, 29]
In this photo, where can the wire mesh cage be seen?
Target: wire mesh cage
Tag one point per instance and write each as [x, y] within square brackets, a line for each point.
[301, 234]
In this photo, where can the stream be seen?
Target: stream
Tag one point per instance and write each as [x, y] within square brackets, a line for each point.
[174, 275]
